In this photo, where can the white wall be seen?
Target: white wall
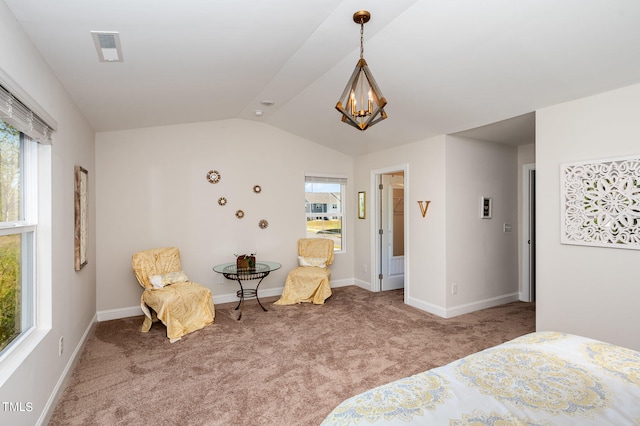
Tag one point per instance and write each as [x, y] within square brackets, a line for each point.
[453, 173]
[71, 296]
[153, 192]
[424, 180]
[482, 259]
[590, 291]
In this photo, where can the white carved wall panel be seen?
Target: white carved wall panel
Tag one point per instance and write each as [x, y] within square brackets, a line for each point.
[601, 203]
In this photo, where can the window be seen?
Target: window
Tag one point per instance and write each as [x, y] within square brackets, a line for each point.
[17, 233]
[324, 208]
[23, 135]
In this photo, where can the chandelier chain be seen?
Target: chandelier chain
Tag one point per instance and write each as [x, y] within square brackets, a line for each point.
[361, 40]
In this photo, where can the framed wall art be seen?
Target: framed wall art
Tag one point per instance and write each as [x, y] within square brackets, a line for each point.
[81, 216]
[600, 203]
[362, 205]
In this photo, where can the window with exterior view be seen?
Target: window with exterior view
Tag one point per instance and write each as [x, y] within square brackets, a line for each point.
[324, 208]
[16, 239]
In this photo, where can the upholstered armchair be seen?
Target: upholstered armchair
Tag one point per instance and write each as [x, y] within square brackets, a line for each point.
[182, 306]
[310, 281]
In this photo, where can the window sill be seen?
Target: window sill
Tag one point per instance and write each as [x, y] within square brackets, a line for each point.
[18, 352]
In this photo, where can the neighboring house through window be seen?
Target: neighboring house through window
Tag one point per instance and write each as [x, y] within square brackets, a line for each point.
[324, 208]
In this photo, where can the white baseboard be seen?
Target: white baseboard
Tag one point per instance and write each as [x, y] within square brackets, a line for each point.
[134, 311]
[50, 406]
[482, 304]
[231, 297]
[341, 283]
[111, 314]
[427, 307]
[362, 284]
[464, 308]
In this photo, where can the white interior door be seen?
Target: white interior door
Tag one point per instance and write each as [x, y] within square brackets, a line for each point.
[392, 231]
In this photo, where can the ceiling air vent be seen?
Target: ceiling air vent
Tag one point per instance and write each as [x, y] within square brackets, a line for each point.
[108, 45]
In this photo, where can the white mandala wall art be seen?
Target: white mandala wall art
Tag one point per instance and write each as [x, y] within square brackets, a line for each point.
[601, 203]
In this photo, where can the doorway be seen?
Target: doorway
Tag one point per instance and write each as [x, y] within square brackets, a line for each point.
[528, 233]
[389, 230]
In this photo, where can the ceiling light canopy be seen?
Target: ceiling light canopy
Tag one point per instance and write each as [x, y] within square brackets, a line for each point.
[362, 103]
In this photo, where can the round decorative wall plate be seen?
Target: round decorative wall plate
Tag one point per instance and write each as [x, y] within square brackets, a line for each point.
[239, 214]
[257, 189]
[213, 176]
[222, 201]
[263, 224]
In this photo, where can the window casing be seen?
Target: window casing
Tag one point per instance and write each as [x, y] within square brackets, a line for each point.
[29, 232]
[325, 208]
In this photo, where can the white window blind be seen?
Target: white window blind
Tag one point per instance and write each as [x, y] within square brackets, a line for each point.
[14, 112]
[325, 179]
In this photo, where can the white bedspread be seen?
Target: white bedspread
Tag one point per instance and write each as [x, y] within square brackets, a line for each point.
[542, 378]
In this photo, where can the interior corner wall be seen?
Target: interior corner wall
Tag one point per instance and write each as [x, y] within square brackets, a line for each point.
[72, 294]
[154, 192]
[425, 236]
[482, 261]
[590, 291]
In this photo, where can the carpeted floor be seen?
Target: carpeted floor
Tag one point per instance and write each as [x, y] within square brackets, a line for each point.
[289, 366]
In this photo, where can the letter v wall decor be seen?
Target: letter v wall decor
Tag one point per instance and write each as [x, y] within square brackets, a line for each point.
[424, 205]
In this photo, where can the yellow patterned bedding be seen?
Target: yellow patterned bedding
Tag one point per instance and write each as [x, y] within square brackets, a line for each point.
[542, 378]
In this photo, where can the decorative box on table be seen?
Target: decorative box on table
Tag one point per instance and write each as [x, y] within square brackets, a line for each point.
[246, 262]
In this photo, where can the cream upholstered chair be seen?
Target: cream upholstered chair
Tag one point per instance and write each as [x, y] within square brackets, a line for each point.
[309, 282]
[182, 306]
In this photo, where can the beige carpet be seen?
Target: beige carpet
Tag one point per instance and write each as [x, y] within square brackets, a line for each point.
[289, 366]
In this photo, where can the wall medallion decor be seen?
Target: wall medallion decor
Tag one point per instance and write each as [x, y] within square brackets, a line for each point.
[213, 176]
[222, 201]
[239, 214]
[263, 224]
[600, 203]
[81, 228]
[257, 189]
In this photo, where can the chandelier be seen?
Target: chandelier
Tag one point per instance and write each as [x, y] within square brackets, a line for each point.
[362, 103]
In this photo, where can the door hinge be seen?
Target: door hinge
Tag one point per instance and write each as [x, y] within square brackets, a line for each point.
[381, 187]
[380, 276]
[380, 231]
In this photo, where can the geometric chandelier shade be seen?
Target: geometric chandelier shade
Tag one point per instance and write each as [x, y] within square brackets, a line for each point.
[362, 103]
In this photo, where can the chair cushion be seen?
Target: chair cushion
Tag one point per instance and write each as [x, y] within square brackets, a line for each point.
[159, 281]
[316, 248]
[182, 307]
[312, 261]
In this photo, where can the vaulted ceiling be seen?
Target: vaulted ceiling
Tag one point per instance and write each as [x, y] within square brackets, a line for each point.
[445, 66]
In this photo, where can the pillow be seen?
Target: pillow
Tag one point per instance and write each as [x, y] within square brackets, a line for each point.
[312, 261]
[159, 281]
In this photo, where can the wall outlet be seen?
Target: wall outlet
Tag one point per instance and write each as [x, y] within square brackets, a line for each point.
[220, 279]
[60, 346]
[454, 288]
[364, 268]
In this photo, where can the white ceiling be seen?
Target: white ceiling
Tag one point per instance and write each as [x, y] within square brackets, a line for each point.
[445, 66]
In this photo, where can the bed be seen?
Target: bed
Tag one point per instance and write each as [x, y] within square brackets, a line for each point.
[543, 378]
